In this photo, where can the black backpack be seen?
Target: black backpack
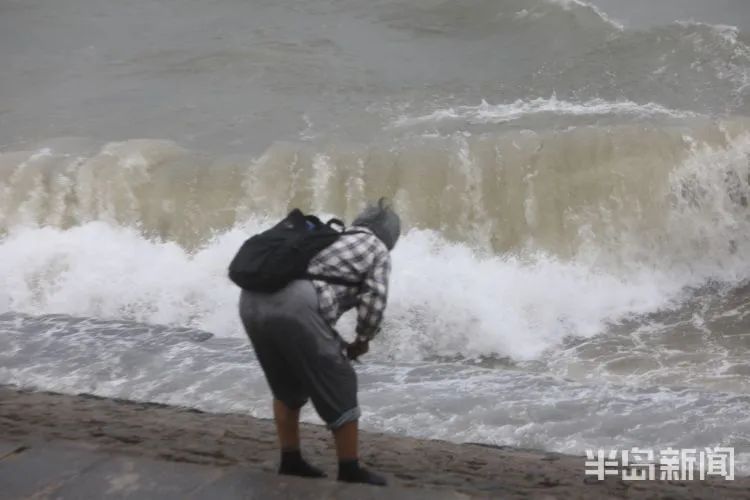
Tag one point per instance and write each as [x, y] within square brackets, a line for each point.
[270, 260]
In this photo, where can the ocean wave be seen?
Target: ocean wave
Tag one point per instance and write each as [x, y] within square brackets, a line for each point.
[579, 4]
[488, 18]
[684, 65]
[512, 191]
[578, 246]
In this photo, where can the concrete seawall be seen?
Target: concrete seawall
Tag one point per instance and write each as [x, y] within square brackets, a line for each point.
[66, 446]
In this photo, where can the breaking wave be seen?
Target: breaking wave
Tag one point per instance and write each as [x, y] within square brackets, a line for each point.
[516, 241]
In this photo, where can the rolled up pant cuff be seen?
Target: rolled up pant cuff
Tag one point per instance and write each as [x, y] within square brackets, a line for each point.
[346, 417]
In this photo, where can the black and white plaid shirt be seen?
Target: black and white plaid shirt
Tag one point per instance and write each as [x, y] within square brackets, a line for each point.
[360, 258]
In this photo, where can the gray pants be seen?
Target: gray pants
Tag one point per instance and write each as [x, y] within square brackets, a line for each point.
[301, 355]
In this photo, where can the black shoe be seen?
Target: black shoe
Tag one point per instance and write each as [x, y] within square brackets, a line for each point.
[292, 464]
[352, 473]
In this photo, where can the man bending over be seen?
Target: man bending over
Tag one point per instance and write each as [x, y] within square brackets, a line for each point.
[303, 357]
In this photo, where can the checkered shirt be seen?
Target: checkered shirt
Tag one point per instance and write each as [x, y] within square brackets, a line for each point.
[361, 258]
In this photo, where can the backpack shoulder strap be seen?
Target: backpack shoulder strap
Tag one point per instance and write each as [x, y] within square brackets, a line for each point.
[336, 222]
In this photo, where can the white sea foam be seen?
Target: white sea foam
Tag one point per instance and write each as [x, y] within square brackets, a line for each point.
[445, 299]
[500, 113]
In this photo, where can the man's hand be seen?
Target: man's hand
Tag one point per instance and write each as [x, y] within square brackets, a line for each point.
[357, 349]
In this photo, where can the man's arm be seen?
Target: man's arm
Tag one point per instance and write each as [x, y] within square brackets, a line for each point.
[373, 296]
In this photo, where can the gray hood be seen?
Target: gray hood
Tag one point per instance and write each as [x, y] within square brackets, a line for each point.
[382, 220]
